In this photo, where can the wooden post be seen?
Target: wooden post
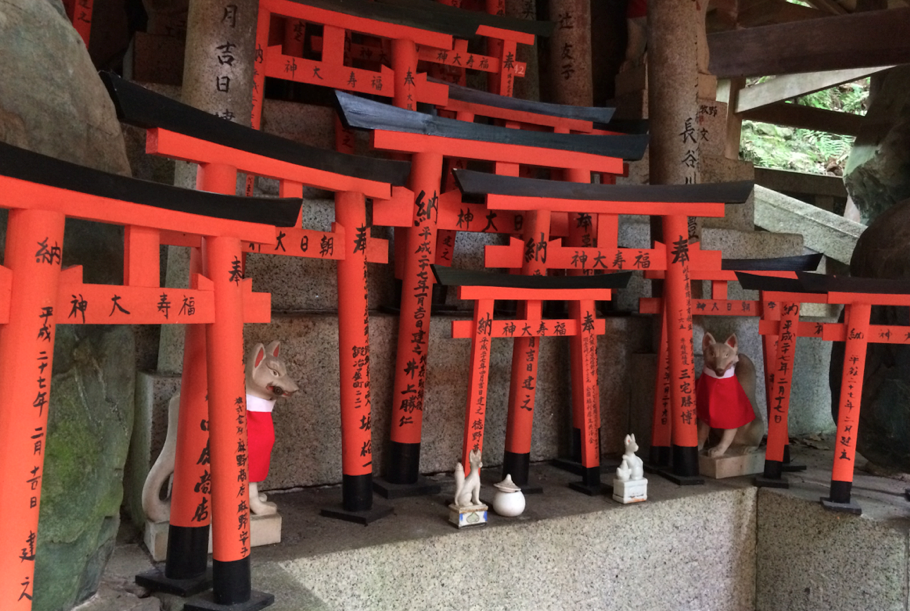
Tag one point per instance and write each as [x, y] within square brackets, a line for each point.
[779, 394]
[525, 354]
[476, 409]
[678, 312]
[851, 392]
[33, 254]
[660, 425]
[414, 328]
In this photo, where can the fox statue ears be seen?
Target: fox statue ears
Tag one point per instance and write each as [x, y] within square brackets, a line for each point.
[630, 439]
[709, 340]
[274, 348]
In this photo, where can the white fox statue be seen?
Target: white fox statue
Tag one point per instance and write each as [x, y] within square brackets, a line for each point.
[631, 468]
[467, 489]
[266, 381]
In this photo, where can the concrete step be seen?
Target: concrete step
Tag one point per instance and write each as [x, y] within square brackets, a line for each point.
[724, 546]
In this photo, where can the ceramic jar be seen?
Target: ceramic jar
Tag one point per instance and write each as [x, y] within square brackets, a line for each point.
[509, 500]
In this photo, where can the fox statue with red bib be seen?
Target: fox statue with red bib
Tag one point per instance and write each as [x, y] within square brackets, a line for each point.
[725, 398]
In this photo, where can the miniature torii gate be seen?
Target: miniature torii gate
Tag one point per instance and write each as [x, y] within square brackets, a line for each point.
[673, 203]
[580, 229]
[419, 31]
[428, 139]
[484, 289]
[717, 305]
[181, 132]
[857, 295]
[41, 193]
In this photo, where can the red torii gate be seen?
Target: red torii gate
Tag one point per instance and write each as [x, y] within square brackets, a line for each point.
[581, 229]
[857, 295]
[41, 193]
[418, 31]
[181, 132]
[674, 203]
[718, 305]
[428, 139]
[484, 289]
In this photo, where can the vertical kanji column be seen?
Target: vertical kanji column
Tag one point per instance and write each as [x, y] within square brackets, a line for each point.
[779, 396]
[856, 323]
[476, 410]
[660, 424]
[678, 312]
[414, 326]
[34, 240]
[582, 234]
[525, 353]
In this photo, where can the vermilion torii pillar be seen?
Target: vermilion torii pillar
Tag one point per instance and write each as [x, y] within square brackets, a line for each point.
[184, 133]
[485, 288]
[673, 204]
[41, 192]
[706, 266]
[857, 295]
[397, 130]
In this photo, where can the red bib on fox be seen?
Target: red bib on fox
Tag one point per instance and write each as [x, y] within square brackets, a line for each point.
[722, 402]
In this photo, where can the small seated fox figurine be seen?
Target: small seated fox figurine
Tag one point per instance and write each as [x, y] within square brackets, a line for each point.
[467, 489]
[725, 397]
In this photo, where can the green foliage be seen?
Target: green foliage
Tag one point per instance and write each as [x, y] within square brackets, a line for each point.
[803, 150]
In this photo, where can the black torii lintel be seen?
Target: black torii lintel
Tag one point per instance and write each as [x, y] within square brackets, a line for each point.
[776, 284]
[580, 113]
[138, 106]
[40, 169]
[360, 113]
[822, 283]
[472, 182]
[448, 276]
[797, 263]
[454, 14]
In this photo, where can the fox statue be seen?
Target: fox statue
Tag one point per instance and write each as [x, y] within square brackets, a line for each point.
[725, 397]
[631, 468]
[266, 381]
[467, 489]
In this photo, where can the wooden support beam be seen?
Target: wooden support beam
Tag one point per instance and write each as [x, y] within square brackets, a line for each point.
[783, 181]
[789, 86]
[754, 13]
[829, 6]
[807, 117]
[874, 38]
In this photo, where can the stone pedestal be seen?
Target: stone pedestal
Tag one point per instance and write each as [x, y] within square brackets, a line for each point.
[467, 516]
[632, 491]
[748, 463]
[264, 530]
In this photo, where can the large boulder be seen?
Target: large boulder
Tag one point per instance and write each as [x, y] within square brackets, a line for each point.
[882, 251]
[52, 102]
[878, 170]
